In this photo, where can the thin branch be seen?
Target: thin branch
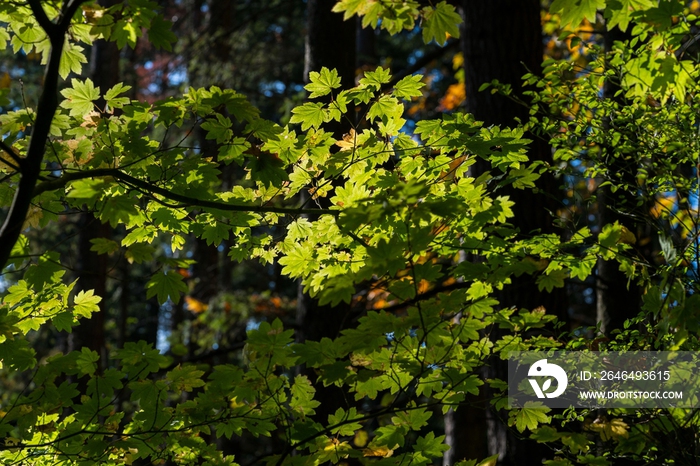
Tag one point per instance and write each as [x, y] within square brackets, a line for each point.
[46, 108]
[423, 296]
[185, 201]
[8, 150]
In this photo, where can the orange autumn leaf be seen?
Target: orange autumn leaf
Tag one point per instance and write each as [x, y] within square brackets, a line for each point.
[455, 95]
[195, 305]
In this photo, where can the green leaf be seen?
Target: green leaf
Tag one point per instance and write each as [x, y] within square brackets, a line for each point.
[350, 8]
[17, 354]
[80, 97]
[309, 115]
[186, 378]
[376, 78]
[112, 99]
[233, 151]
[409, 87]
[322, 83]
[47, 270]
[166, 285]
[439, 22]
[529, 417]
[103, 245]
[268, 170]
[572, 12]
[72, 59]
[215, 233]
[139, 253]
[546, 434]
[219, 128]
[160, 33]
[18, 292]
[303, 396]
[431, 446]
[619, 12]
[87, 361]
[4, 37]
[125, 32]
[554, 279]
[85, 303]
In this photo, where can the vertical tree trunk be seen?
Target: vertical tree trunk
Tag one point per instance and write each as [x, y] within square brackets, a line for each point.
[502, 39]
[92, 267]
[330, 42]
[616, 300]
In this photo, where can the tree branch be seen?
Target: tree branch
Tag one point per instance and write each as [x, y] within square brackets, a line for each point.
[67, 12]
[186, 201]
[423, 296]
[48, 103]
[52, 30]
[8, 150]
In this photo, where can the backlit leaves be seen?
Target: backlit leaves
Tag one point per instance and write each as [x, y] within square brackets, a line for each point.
[440, 23]
[529, 417]
[395, 210]
[322, 83]
[309, 115]
[574, 11]
[80, 97]
[166, 285]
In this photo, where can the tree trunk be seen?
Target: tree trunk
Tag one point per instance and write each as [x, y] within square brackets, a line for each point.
[92, 267]
[502, 40]
[330, 42]
[616, 300]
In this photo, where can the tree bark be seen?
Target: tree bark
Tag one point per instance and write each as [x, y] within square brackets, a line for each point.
[502, 40]
[92, 273]
[617, 298]
[330, 42]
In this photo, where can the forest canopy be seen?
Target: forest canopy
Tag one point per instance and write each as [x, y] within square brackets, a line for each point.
[311, 232]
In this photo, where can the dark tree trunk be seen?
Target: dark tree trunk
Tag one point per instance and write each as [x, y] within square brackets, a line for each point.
[92, 267]
[502, 40]
[330, 42]
[617, 298]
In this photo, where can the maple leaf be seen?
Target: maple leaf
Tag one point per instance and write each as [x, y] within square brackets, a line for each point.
[572, 12]
[440, 23]
[349, 140]
[166, 285]
[80, 97]
[322, 83]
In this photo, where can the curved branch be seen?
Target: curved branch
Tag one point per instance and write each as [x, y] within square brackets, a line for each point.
[185, 201]
[48, 103]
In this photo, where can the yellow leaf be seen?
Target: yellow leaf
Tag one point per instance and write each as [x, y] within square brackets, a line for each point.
[360, 360]
[627, 236]
[663, 206]
[5, 80]
[457, 61]
[348, 142]
[382, 451]
[455, 95]
[8, 161]
[33, 216]
[195, 305]
[609, 430]
[490, 461]
[361, 437]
